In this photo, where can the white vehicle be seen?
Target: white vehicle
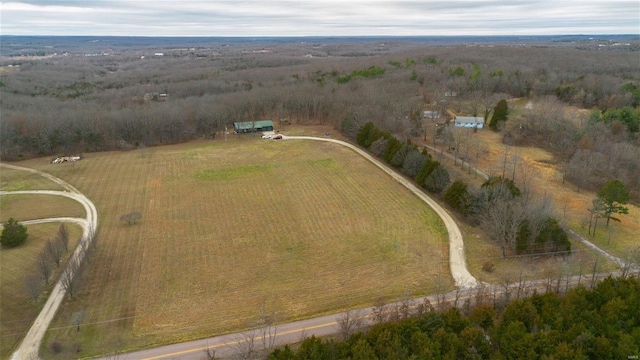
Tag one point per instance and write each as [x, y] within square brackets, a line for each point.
[266, 136]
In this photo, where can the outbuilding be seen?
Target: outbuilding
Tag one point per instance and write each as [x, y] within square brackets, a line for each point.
[252, 126]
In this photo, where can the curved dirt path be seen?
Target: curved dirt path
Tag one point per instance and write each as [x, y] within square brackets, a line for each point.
[30, 345]
[457, 262]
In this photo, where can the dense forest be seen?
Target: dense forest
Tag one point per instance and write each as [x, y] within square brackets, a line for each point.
[601, 323]
[69, 103]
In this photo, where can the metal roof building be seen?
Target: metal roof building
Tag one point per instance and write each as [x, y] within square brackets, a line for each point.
[252, 126]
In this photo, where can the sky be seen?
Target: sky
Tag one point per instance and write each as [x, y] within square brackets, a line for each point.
[318, 17]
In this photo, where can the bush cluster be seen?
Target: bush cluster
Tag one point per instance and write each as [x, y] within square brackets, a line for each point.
[405, 157]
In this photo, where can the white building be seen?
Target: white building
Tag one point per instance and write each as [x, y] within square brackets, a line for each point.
[468, 122]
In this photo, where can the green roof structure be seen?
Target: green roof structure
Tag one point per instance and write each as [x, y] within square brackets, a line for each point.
[249, 126]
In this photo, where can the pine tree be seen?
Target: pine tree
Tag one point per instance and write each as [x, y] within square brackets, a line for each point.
[13, 234]
[500, 115]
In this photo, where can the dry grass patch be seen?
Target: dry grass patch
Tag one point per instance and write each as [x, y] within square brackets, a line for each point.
[304, 228]
[18, 310]
[37, 206]
[571, 206]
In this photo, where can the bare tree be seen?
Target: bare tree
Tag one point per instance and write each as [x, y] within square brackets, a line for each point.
[505, 282]
[63, 237]
[379, 311]
[70, 277]
[349, 322]
[33, 286]
[76, 319]
[631, 261]
[209, 353]
[458, 137]
[502, 219]
[405, 307]
[267, 327]
[595, 213]
[245, 344]
[44, 265]
[55, 251]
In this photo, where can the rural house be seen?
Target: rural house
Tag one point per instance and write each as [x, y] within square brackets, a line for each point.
[468, 122]
[252, 126]
[431, 114]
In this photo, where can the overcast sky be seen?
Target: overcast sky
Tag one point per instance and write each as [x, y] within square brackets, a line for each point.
[318, 17]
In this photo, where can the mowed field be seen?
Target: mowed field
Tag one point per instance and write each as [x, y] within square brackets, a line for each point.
[298, 228]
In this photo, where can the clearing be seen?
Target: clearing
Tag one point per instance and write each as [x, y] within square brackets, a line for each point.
[228, 228]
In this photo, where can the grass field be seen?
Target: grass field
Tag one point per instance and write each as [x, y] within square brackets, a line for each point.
[301, 228]
[18, 310]
[36, 206]
[15, 180]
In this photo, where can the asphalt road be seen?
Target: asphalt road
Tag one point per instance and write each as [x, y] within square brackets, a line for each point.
[243, 344]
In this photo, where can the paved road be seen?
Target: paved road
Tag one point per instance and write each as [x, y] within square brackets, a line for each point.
[30, 345]
[239, 344]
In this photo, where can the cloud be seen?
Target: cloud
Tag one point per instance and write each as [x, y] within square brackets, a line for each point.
[319, 17]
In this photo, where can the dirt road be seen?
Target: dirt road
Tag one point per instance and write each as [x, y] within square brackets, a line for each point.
[30, 345]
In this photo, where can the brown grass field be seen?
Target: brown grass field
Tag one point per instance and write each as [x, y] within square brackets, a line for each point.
[302, 228]
[15, 180]
[18, 310]
[229, 227]
[36, 206]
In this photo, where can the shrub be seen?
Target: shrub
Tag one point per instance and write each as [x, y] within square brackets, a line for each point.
[488, 267]
[56, 347]
[438, 180]
[458, 197]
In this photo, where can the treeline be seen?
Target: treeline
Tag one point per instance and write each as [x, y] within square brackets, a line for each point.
[516, 221]
[601, 323]
[405, 157]
[592, 148]
[69, 105]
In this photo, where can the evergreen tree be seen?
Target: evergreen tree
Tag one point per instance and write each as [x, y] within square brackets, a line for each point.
[500, 115]
[13, 234]
[613, 195]
[457, 197]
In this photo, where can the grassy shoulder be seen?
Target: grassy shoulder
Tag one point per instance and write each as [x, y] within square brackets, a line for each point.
[299, 228]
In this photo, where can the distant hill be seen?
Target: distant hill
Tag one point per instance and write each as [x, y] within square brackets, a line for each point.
[44, 45]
